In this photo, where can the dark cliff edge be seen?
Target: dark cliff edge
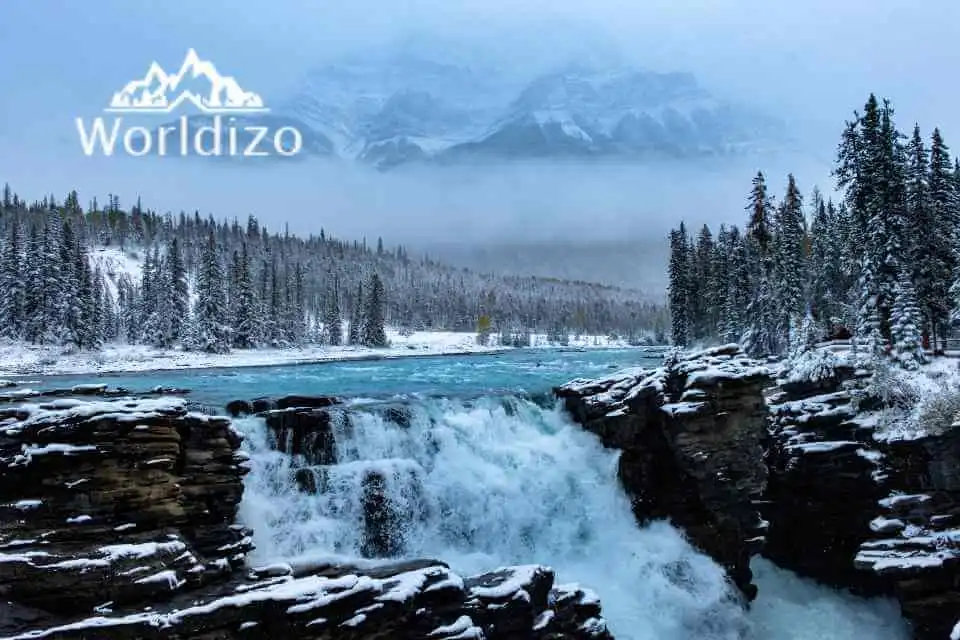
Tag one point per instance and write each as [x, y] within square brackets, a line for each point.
[857, 508]
[118, 519]
[793, 468]
[692, 435]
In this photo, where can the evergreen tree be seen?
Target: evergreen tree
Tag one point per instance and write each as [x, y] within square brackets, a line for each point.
[905, 321]
[702, 286]
[357, 329]
[374, 334]
[761, 336]
[943, 251]
[178, 302]
[738, 289]
[210, 330]
[12, 286]
[680, 310]
[34, 307]
[333, 323]
[244, 321]
[789, 256]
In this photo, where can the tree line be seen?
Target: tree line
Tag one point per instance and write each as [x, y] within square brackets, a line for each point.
[880, 265]
[213, 285]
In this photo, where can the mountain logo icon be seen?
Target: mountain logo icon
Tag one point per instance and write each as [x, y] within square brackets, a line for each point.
[197, 82]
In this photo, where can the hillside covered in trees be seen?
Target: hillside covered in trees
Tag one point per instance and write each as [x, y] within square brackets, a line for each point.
[881, 264]
[211, 285]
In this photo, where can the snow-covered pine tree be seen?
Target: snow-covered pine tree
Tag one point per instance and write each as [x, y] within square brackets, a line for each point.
[357, 330]
[12, 285]
[721, 275]
[702, 289]
[210, 329]
[944, 252]
[178, 302]
[152, 290]
[87, 331]
[374, 334]
[905, 322]
[789, 259]
[245, 322]
[761, 335]
[738, 289]
[679, 273]
[332, 321]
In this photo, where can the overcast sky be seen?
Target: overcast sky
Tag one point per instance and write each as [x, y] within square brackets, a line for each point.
[813, 61]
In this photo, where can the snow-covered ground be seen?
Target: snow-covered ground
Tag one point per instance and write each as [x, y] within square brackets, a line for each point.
[25, 359]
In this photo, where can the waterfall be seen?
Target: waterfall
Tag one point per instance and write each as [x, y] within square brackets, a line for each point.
[499, 481]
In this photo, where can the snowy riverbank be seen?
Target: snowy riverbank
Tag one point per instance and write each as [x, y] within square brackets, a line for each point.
[24, 359]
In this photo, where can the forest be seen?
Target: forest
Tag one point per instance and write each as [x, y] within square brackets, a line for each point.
[881, 264]
[214, 285]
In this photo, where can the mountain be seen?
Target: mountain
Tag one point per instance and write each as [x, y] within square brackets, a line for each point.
[389, 110]
[398, 107]
[623, 112]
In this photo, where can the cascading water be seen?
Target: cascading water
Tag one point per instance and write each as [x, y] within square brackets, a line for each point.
[502, 481]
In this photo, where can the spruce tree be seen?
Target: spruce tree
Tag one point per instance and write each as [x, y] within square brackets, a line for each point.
[210, 330]
[944, 250]
[12, 285]
[244, 321]
[357, 329]
[789, 257]
[333, 323]
[374, 334]
[702, 286]
[178, 303]
[905, 324]
[761, 335]
[679, 274]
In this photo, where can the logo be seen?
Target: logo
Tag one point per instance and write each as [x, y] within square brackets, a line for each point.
[228, 125]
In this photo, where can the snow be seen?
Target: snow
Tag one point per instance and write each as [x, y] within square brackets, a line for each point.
[543, 620]
[79, 519]
[19, 359]
[517, 579]
[955, 634]
[820, 447]
[682, 408]
[23, 505]
[899, 499]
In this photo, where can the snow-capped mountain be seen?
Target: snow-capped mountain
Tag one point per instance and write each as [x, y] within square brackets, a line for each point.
[197, 81]
[391, 109]
[622, 112]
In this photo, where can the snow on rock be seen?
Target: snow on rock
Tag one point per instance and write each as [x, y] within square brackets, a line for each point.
[857, 499]
[375, 602]
[94, 520]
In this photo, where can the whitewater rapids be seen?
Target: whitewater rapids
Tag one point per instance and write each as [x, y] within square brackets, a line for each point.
[501, 481]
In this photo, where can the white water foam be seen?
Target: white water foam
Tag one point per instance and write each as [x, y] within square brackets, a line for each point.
[497, 482]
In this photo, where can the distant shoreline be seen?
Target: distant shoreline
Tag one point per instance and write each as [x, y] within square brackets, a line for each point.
[131, 361]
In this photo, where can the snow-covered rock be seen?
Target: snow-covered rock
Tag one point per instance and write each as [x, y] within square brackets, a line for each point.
[691, 434]
[853, 507]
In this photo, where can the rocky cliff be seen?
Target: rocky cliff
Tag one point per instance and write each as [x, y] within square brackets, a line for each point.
[692, 435]
[118, 520]
[854, 507]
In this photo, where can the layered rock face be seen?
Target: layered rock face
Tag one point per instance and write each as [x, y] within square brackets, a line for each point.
[692, 435]
[115, 501]
[854, 508]
[118, 520]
